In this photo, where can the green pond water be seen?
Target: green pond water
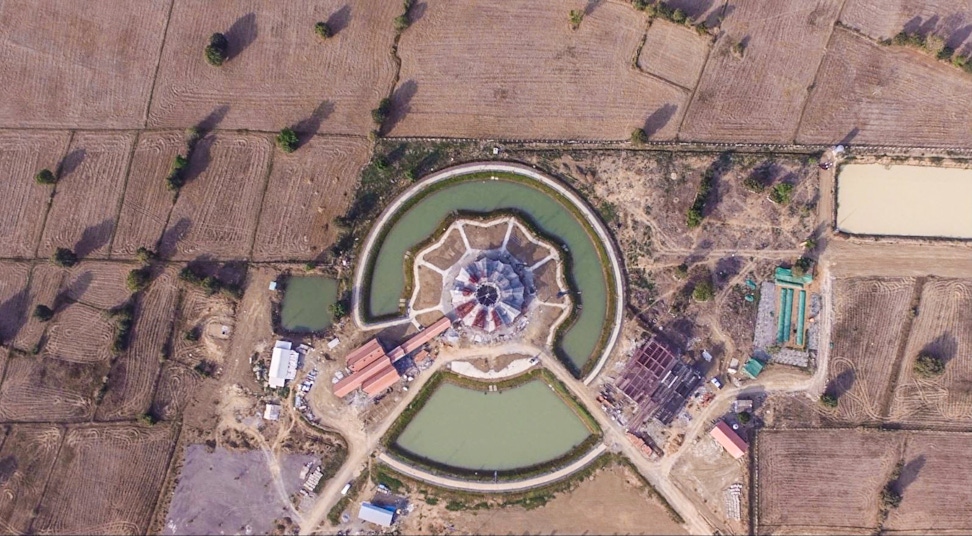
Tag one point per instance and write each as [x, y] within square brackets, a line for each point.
[518, 427]
[388, 279]
[307, 302]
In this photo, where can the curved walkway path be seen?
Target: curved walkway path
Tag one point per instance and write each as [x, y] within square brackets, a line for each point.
[485, 167]
[491, 487]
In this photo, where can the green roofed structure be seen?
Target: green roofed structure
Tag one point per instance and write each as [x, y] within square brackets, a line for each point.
[791, 321]
[785, 276]
[753, 367]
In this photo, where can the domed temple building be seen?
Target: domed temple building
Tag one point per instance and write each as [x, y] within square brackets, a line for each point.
[488, 295]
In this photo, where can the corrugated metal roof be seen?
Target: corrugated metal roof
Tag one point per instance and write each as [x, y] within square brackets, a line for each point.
[729, 439]
[381, 381]
[375, 514]
[352, 382]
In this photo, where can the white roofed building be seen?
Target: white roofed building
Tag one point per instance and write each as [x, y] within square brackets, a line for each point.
[283, 364]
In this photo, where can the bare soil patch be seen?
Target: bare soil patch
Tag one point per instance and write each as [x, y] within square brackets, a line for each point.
[871, 94]
[147, 202]
[869, 326]
[23, 202]
[430, 283]
[79, 334]
[131, 382]
[508, 70]
[93, 73]
[486, 237]
[674, 52]
[524, 249]
[307, 189]
[88, 194]
[279, 72]
[132, 458]
[758, 95]
[451, 250]
[840, 475]
[97, 283]
[25, 463]
[205, 316]
[216, 213]
[45, 389]
[14, 297]
[882, 19]
[941, 328]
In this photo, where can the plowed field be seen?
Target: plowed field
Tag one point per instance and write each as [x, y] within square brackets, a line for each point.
[176, 385]
[131, 383]
[279, 72]
[944, 328]
[133, 459]
[22, 201]
[674, 52]
[869, 327]
[80, 334]
[216, 214]
[882, 19]
[94, 72]
[147, 200]
[25, 463]
[14, 297]
[515, 69]
[759, 96]
[89, 193]
[45, 280]
[44, 389]
[871, 94]
[307, 189]
[97, 283]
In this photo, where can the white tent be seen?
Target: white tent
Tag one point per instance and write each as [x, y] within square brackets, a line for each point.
[283, 364]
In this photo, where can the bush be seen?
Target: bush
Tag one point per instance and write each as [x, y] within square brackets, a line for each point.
[217, 49]
[148, 418]
[744, 417]
[338, 310]
[575, 16]
[192, 335]
[323, 30]
[381, 113]
[890, 498]
[639, 136]
[828, 400]
[782, 193]
[144, 254]
[45, 176]
[176, 178]
[739, 50]
[206, 368]
[138, 279]
[928, 365]
[43, 313]
[401, 23]
[703, 291]
[640, 5]
[124, 318]
[64, 257]
[287, 140]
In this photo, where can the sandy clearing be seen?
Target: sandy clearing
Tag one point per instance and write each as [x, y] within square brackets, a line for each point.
[94, 72]
[279, 72]
[513, 70]
[759, 97]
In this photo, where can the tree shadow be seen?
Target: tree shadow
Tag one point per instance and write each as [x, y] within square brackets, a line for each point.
[957, 37]
[841, 383]
[13, 313]
[339, 19]
[94, 237]
[171, 237]
[416, 13]
[211, 121]
[694, 9]
[70, 163]
[241, 35]
[846, 140]
[909, 473]
[919, 26]
[716, 171]
[591, 6]
[728, 267]
[943, 347]
[307, 128]
[74, 290]
[401, 99]
[199, 159]
[659, 118]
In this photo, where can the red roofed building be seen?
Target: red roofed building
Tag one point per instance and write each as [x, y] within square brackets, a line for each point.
[349, 384]
[374, 385]
[729, 439]
[367, 354]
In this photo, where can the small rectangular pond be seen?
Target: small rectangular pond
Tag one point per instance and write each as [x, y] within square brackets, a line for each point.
[307, 303]
[517, 427]
[918, 201]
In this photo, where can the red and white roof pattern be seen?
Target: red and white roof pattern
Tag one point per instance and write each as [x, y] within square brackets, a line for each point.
[488, 295]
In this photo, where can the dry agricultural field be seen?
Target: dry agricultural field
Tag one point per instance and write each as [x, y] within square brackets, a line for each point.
[882, 19]
[674, 52]
[869, 329]
[279, 73]
[943, 327]
[26, 459]
[829, 481]
[509, 70]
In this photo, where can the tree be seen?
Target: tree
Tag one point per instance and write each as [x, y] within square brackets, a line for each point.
[744, 417]
[828, 400]
[401, 23]
[639, 136]
[287, 140]
[338, 310]
[890, 498]
[138, 279]
[45, 176]
[781, 193]
[217, 50]
[381, 113]
[43, 313]
[64, 257]
[703, 291]
[176, 178]
[144, 254]
[323, 30]
[928, 365]
[575, 16]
